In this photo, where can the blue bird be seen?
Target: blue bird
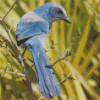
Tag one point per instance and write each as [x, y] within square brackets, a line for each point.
[32, 31]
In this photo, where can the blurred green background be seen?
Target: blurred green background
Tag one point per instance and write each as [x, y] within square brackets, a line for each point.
[81, 38]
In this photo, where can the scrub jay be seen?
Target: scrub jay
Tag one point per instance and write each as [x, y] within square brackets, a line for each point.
[32, 30]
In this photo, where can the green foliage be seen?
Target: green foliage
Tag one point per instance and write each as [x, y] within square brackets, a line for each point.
[82, 38]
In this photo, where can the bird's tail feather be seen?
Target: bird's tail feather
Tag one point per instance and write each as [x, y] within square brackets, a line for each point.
[46, 77]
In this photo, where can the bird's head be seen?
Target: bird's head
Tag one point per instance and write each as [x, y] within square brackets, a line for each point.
[52, 12]
[57, 12]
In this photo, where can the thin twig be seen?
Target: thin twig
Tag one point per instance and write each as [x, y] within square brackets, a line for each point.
[24, 51]
[8, 31]
[52, 47]
[27, 79]
[61, 59]
[30, 68]
[0, 19]
[29, 84]
[58, 60]
[48, 50]
[10, 28]
[65, 78]
[30, 60]
[9, 10]
[10, 51]
[41, 98]
[15, 73]
[9, 34]
[4, 36]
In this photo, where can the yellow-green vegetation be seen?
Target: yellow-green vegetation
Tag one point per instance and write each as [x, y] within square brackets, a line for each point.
[81, 38]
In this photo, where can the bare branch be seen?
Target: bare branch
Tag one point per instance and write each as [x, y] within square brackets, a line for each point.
[9, 10]
[65, 78]
[6, 45]
[52, 47]
[30, 68]
[61, 59]
[29, 85]
[41, 98]
[10, 51]
[15, 73]
[58, 60]
[24, 52]
[8, 31]
[26, 76]
[20, 59]
[30, 60]
[10, 28]
[48, 50]
[4, 36]
[9, 34]
[0, 19]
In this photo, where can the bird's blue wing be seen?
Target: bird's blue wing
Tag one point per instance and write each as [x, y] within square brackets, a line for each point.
[28, 27]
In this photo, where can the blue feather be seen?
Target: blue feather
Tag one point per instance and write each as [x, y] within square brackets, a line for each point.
[47, 80]
[38, 22]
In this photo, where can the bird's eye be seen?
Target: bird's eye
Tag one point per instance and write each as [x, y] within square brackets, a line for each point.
[60, 11]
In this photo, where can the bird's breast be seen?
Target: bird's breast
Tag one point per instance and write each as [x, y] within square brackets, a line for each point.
[43, 38]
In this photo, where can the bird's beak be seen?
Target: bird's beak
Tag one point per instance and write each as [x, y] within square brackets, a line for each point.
[67, 19]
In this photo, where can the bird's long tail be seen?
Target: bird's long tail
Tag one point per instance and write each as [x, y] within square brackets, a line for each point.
[46, 77]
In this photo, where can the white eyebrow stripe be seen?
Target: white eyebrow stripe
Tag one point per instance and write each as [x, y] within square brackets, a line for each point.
[31, 17]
